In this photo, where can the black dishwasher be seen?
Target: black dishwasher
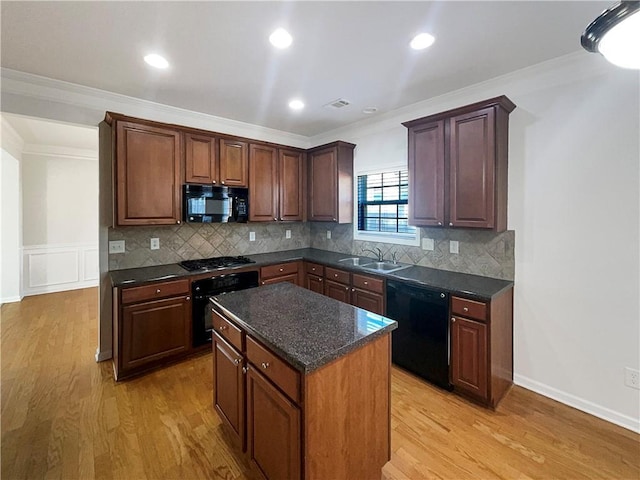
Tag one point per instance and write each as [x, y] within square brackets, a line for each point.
[420, 344]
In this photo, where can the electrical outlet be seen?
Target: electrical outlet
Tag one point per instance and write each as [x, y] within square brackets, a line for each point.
[116, 246]
[328, 234]
[428, 244]
[287, 234]
[154, 244]
[454, 246]
[252, 236]
[632, 378]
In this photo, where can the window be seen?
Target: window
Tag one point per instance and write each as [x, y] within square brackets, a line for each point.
[383, 205]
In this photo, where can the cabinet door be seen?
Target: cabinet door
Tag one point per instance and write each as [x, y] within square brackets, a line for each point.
[153, 331]
[263, 183]
[323, 186]
[229, 393]
[273, 429]
[374, 302]
[291, 278]
[234, 159]
[337, 291]
[290, 173]
[472, 169]
[469, 356]
[201, 159]
[426, 174]
[314, 283]
[148, 161]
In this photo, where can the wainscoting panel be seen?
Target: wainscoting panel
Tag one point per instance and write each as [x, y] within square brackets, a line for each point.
[55, 268]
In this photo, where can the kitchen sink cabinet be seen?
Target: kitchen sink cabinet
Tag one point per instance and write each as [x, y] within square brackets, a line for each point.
[201, 159]
[482, 347]
[330, 189]
[152, 325]
[148, 162]
[275, 184]
[234, 163]
[337, 284]
[362, 291]
[282, 272]
[458, 166]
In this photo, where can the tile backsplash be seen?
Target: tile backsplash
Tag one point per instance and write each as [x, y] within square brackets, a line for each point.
[480, 252]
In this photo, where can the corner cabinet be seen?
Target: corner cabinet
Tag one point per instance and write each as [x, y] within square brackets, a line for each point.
[148, 174]
[458, 166]
[330, 187]
[482, 347]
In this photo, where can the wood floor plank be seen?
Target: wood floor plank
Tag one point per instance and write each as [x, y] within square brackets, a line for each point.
[63, 417]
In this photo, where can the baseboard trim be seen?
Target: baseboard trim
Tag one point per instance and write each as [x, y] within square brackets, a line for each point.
[102, 356]
[13, 299]
[586, 406]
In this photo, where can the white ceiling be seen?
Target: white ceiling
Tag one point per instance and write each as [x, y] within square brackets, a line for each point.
[222, 63]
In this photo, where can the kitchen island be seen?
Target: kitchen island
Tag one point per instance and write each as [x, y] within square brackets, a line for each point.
[302, 382]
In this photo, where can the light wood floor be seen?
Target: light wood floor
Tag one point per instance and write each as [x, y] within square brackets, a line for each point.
[64, 417]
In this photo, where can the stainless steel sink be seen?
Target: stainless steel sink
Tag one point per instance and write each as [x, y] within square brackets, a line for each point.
[355, 261]
[384, 267]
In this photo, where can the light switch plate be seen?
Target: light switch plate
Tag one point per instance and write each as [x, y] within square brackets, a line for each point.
[154, 244]
[329, 234]
[428, 244]
[454, 246]
[252, 236]
[116, 246]
[287, 234]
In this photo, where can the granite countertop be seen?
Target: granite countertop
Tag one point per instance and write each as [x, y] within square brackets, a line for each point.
[475, 286]
[306, 329]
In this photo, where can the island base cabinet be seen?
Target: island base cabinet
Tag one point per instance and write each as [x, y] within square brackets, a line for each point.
[228, 398]
[273, 430]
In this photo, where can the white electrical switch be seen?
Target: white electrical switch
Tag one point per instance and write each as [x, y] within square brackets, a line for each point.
[428, 244]
[116, 246]
[287, 234]
[329, 234]
[252, 236]
[154, 244]
[453, 246]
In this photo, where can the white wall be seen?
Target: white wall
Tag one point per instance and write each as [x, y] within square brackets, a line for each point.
[10, 218]
[574, 183]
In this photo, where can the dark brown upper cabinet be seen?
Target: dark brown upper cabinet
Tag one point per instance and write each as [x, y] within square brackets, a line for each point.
[458, 166]
[330, 187]
[201, 159]
[148, 174]
[234, 161]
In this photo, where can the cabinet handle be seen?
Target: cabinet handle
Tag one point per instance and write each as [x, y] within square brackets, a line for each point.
[280, 218]
[335, 275]
[222, 328]
[157, 290]
[334, 219]
[178, 222]
[465, 309]
[265, 365]
[453, 320]
[245, 369]
[313, 269]
[222, 183]
[450, 224]
[346, 288]
[188, 298]
[353, 289]
[440, 223]
[213, 181]
[275, 219]
[237, 361]
[282, 269]
[366, 283]
[319, 279]
[263, 283]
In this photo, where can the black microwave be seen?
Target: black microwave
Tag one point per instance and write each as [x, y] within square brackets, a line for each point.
[213, 204]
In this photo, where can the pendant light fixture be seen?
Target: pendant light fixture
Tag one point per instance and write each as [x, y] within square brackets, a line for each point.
[616, 35]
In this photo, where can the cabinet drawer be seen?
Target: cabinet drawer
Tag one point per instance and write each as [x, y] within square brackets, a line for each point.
[286, 378]
[155, 290]
[315, 269]
[469, 308]
[227, 330]
[339, 276]
[278, 270]
[372, 284]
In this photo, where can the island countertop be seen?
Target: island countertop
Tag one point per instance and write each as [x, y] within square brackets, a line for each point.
[304, 328]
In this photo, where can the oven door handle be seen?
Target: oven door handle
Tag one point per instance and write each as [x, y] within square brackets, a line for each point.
[201, 297]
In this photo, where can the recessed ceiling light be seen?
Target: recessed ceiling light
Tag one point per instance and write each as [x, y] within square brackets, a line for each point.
[280, 38]
[370, 110]
[296, 104]
[422, 41]
[156, 61]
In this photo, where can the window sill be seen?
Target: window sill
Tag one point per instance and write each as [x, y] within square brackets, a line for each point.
[396, 238]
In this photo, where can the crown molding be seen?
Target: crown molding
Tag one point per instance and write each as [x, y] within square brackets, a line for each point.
[98, 101]
[60, 151]
[12, 142]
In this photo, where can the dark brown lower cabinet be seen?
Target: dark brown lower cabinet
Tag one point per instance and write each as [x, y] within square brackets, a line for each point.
[282, 272]
[229, 392]
[374, 302]
[337, 291]
[273, 429]
[469, 356]
[314, 283]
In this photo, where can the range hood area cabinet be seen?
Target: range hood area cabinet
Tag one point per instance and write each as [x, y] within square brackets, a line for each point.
[330, 187]
[276, 179]
[458, 166]
[209, 160]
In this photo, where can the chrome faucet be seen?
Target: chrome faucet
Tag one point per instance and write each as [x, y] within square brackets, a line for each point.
[377, 254]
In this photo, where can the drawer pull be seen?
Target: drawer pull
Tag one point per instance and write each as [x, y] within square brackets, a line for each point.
[265, 365]
[313, 269]
[188, 298]
[319, 279]
[282, 269]
[157, 290]
[237, 361]
[346, 288]
[245, 369]
[335, 275]
[353, 289]
[366, 283]
[453, 320]
[223, 328]
[275, 219]
[465, 309]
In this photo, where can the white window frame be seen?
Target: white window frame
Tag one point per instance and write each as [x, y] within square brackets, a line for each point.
[409, 239]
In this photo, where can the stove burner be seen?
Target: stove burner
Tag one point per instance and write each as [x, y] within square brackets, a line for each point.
[216, 262]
